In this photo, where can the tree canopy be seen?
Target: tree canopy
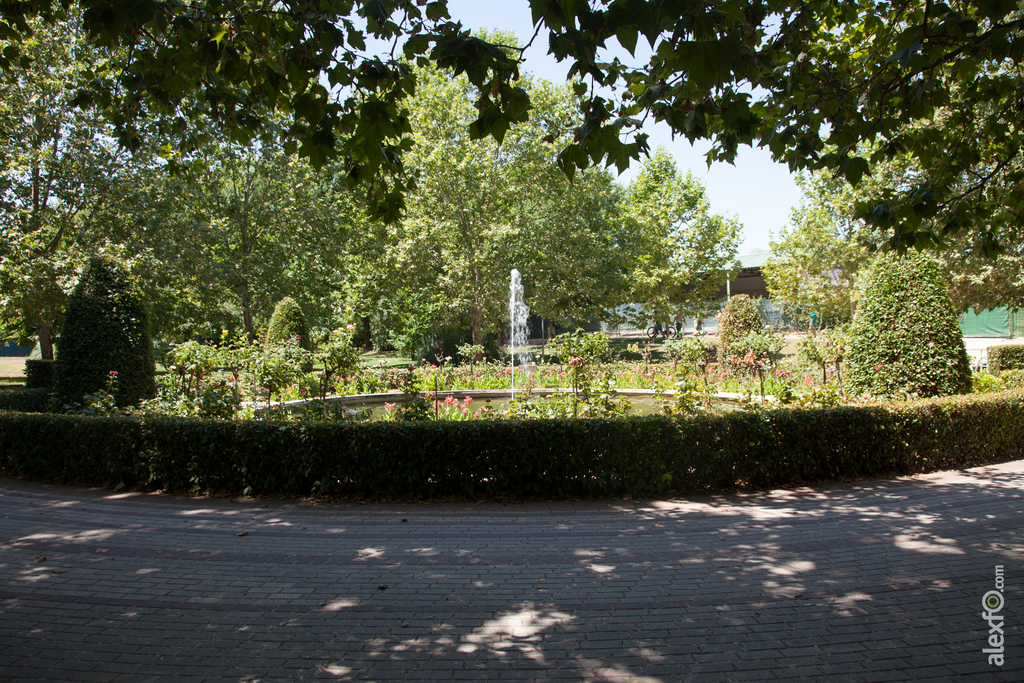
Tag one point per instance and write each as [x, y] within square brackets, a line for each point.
[688, 250]
[808, 79]
[815, 261]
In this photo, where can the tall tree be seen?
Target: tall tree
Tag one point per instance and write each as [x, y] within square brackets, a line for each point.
[693, 250]
[272, 227]
[815, 261]
[482, 208]
[61, 170]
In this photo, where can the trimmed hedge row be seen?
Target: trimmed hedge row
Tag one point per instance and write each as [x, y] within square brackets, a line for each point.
[641, 456]
[39, 373]
[25, 400]
[1005, 357]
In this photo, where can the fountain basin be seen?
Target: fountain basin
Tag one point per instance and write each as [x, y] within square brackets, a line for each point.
[375, 400]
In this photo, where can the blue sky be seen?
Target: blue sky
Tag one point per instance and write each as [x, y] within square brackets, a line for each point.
[759, 192]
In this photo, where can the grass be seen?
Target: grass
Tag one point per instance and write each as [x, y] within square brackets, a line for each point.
[12, 369]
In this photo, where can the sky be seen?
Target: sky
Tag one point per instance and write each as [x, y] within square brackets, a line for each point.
[757, 191]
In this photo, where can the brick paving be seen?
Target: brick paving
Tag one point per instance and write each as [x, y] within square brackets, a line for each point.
[869, 581]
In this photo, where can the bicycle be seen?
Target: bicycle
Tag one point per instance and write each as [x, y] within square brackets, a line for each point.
[665, 332]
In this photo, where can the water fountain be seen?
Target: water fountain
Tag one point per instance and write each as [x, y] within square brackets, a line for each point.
[518, 314]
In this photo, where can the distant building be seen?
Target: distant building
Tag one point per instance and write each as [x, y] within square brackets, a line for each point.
[749, 280]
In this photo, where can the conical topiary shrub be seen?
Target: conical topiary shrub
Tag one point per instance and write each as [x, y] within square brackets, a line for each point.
[105, 330]
[288, 322]
[905, 338]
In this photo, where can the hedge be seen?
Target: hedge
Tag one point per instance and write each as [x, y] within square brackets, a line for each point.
[25, 400]
[39, 373]
[1006, 357]
[642, 456]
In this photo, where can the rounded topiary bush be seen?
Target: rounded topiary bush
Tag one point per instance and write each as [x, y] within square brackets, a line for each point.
[105, 330]
[288, 322]
[739, 319]
[905, 338]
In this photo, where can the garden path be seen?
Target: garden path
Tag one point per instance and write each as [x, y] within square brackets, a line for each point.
[875, 580]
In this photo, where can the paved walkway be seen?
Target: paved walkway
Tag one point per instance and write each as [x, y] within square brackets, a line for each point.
[879, 580]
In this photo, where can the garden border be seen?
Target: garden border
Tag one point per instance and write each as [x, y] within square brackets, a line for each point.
[640, 456]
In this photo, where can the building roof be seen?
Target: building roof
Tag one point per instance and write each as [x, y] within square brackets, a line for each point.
[753, 260]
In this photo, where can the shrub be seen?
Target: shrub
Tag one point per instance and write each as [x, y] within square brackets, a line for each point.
[694, 353]
[105, 330]
[191, 362]
[1006, 357]
[739, 318]
[519, 459]
[39, 374]
[25, 400]
[984, 383]
[288, 322]
[905, 338]
[340, 360]
[445, 342]
[1012, 379]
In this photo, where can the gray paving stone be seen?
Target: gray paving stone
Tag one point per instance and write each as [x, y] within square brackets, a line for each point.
[875, 580]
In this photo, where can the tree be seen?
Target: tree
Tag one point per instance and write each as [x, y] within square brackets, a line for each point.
[60, 173]
[482, 208]
[247, 227]
[581, 250]
[814, 263]
[794, 76]
[977, 277]
[693, 249]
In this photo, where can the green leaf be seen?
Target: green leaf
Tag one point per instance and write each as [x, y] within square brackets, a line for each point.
[219, 35]
[627, 36]
[710, 62]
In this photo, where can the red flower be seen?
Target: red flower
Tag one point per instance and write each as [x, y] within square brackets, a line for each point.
[112, 373]
[878, 368]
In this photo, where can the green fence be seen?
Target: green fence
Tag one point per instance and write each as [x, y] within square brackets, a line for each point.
[1017, 323]
[992, 323]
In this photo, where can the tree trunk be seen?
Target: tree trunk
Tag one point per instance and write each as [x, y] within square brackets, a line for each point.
[45, 342]
[367, 334]
[250, 333]
[475, 314]
[476, 325]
